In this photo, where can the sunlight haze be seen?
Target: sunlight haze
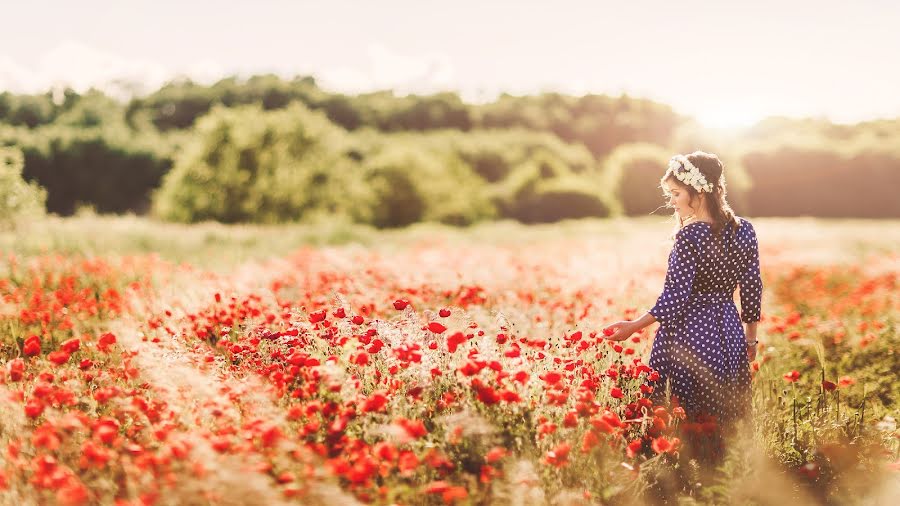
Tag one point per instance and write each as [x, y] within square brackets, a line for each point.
[728, 65]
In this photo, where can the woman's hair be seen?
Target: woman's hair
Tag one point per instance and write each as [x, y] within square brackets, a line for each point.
[718, 208]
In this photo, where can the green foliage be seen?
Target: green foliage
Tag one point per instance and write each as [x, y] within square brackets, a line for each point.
[105, 167]
[178, 104]
[823, 182]
[552, 200]
[26, 110]
[599, 122]
[93, 109]
[259, 166]
[432, 183]
[503, 159]
[246, 165]
[18, 199]
[633, 172]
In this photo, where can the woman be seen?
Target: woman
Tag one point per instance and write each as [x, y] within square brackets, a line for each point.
[701, 351]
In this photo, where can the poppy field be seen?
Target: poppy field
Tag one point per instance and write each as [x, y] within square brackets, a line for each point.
[427, 366]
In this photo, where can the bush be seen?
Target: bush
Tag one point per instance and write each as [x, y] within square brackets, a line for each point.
[247, 165]
[18, 199]
[396, 200]
[633, 171]
[432, 180]
[108, 168]
[808, 181]
[548, 201]
[493, 154]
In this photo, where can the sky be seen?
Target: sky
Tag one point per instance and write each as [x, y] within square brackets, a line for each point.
[725, 63]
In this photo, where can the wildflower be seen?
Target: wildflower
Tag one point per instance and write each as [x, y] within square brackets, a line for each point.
[16, 369]
[105, 341]
[558, 456]
[494, 454]
[31, 346]
[414, 428]
[70, 345]
[58, 357]
[551, 377]
[318, 316]
[34, 407]
[663, 445]
[634, 447]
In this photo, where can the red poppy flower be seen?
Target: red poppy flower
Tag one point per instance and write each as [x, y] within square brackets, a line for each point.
[73, 493]
[32, 346]
[16, 369]
[455, 340]
[414, 428]
[105, 341]
[58, 357]
[436, 487]
[589, 441]
[34, 407]
[551, 377]
[663, 445]
[612, 419]
[70, 345]
[494, 454]
[558, 456]
[106, 430]
[633, 448]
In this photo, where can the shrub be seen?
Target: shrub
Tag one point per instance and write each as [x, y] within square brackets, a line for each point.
[247, 165]
[18, 199]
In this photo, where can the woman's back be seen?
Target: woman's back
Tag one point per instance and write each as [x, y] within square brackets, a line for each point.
[725, 261]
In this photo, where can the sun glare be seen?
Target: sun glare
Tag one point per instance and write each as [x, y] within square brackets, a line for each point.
[728, 118]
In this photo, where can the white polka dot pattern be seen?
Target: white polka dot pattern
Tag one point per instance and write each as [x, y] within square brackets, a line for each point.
[700, 347]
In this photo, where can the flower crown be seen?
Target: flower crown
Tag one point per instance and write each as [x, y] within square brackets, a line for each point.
[689, 174]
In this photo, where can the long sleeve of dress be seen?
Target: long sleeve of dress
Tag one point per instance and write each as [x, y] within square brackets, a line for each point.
[750, 281]
[679, 278]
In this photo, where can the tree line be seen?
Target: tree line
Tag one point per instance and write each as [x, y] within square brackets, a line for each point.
[268, 149]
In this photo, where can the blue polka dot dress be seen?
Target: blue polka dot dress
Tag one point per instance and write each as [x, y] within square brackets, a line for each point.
[700, 349]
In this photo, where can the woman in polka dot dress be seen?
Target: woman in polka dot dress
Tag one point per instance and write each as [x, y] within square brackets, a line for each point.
[701, 351]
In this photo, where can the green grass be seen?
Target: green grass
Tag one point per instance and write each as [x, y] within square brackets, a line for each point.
[219, 246]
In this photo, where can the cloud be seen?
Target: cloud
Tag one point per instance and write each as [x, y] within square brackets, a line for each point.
[15, 77]
[81, 67]
[389, 69]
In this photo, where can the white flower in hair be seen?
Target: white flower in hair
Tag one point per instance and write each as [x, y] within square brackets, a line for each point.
[689, 174]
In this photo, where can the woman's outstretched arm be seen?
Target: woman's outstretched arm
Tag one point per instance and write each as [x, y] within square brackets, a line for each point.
[624, 329]
[671, 303]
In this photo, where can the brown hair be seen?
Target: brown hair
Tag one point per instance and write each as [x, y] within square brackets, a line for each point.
[716, 205]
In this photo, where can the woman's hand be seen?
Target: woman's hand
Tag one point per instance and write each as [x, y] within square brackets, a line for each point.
[751, 353]
[619, 331]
